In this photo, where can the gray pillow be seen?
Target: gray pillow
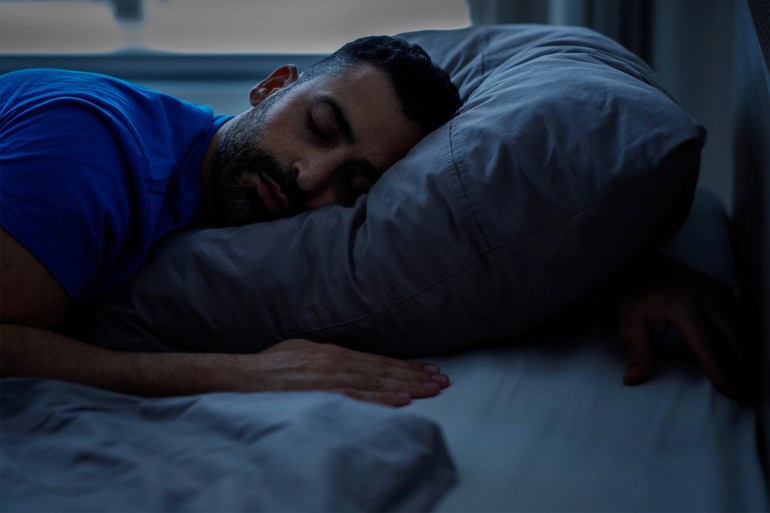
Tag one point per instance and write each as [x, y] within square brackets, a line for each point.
[566, 161]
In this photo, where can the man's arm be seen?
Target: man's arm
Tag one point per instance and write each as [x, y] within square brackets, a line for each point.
[33, 303]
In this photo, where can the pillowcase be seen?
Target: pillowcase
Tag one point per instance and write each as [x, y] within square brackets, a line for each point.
[566, 161]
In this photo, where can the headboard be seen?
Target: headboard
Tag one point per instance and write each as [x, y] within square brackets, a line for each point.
[751, 214]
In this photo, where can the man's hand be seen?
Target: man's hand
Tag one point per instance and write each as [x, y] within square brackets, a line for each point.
[304, 365]
[704, 309]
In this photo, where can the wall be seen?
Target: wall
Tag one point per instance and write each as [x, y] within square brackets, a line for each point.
[692, 54]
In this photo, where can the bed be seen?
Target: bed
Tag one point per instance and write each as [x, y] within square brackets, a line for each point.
[537, 417]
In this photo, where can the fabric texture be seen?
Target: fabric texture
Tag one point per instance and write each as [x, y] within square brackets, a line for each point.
[547, 425]
[67, 447]
[567, 160]
[94, 170]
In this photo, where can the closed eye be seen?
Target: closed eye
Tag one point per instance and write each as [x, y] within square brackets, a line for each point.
[317, 133]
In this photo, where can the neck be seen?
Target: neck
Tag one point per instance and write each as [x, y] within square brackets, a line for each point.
[207, 175]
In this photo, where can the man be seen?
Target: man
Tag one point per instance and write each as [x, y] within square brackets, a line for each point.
[94, 170]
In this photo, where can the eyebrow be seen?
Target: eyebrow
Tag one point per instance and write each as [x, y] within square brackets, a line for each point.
[339, 118]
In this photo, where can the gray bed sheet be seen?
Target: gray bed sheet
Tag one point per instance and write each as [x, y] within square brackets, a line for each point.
[67, 447]
[546, 424]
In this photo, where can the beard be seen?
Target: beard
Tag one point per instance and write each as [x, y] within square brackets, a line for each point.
[239, 156]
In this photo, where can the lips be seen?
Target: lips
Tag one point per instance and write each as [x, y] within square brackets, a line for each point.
[271, 195]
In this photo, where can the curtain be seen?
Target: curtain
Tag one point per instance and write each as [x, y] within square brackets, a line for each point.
[627, 21]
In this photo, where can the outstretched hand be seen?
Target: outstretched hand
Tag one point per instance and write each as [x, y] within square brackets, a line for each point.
[303, 365]
[704, 309]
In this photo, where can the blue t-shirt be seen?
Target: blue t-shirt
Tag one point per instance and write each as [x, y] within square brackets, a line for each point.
[94, 169]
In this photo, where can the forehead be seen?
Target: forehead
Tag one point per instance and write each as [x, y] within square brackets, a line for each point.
[369, 101]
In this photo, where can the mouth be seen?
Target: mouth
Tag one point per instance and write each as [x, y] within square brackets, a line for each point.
[273, 198]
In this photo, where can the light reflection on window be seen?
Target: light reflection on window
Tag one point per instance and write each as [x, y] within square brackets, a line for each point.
[216, 26]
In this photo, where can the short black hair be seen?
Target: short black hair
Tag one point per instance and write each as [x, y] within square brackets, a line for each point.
[428, 96]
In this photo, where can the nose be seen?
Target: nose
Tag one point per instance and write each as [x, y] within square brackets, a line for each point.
[318, 177]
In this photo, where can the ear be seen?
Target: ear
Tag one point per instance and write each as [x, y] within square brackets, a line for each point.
[278, 79]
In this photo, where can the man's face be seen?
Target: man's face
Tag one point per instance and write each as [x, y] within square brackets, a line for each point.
[316, 143]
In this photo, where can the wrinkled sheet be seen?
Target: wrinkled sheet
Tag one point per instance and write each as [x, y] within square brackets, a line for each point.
[66, 447]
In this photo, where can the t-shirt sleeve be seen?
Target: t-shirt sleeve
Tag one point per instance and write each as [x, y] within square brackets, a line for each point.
[66, 187]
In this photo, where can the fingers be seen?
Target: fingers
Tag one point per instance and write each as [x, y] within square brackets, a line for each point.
[373, 373]
[381, 372]
[640, 326]
[709, 329]
[391, 384]
[417, 385]
[305, 365]
[713, 343]
[640, 352]
[386, 398]
[708, 315]
[726, 316]
[392, 398]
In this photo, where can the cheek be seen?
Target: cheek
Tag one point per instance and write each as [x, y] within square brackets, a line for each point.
[405, 137]
[281, 139]
[400, 148]
[411, 136]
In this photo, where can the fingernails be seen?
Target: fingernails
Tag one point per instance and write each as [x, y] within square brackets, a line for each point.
[433, 369]
[430, 385]
[441, 379]
[403, 398]
[632, 375]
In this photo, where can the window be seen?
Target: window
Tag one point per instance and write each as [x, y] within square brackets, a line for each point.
[213, 26]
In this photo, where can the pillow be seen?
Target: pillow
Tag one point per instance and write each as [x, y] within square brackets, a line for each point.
[566, 161]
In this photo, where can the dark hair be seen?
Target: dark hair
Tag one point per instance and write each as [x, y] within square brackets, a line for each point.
[428, 96]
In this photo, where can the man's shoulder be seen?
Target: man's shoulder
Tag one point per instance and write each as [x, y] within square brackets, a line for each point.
[112, 117]
[42, 84]
[28, 88]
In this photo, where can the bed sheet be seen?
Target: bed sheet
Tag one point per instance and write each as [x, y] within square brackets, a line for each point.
[68, 447]
[546, 424]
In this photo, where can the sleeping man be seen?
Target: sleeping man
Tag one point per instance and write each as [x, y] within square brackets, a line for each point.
[95, 170]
